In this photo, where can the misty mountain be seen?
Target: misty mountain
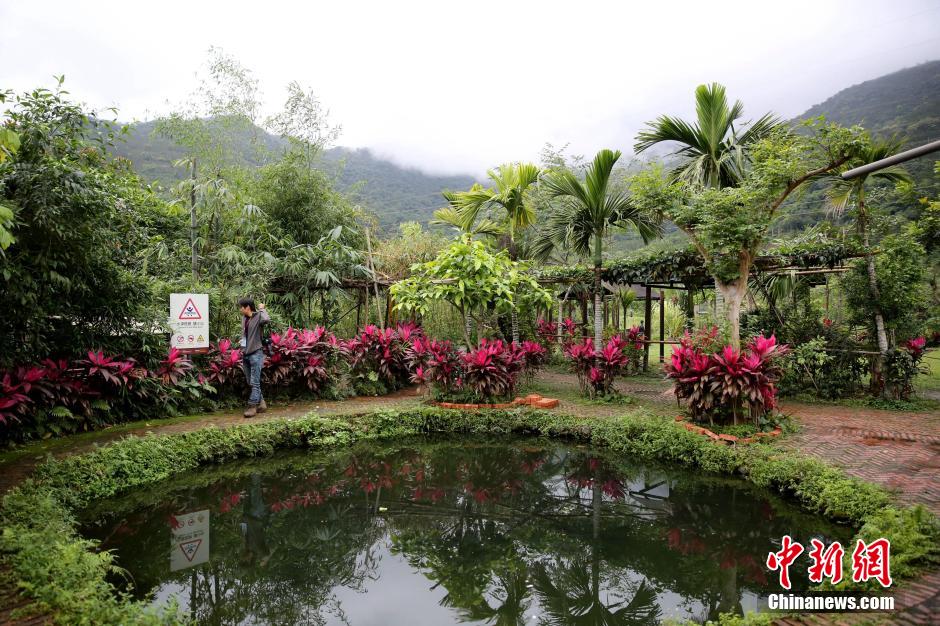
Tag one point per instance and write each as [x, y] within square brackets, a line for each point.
[905, 104]
[393, 193]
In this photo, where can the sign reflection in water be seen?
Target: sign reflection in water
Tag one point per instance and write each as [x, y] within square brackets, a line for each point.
[436, 532]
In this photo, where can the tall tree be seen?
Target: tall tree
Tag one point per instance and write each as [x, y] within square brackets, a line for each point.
[507, 196]
[845, 193]
[585, 213]
[729, 226]
[714, 151]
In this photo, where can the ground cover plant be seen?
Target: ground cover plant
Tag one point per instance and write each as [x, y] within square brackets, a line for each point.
[55, 567]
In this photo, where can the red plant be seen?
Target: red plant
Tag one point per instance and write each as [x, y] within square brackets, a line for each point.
[916, 347]
[491, 370]
[597, 370]
[547, 331]
[174, 367]
[726, 382]
[225, 364]
[386, 352]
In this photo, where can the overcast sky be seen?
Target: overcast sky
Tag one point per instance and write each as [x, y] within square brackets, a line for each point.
[457, 86]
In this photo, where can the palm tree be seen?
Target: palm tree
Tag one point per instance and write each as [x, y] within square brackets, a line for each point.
[842, 193]
[508, 196]
[714, 151]
[586, 213]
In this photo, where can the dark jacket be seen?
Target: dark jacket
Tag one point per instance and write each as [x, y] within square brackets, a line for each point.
[251, 331]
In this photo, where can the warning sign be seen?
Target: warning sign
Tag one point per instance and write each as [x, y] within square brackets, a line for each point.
[189, 540]
[189, 319]
[189, 311]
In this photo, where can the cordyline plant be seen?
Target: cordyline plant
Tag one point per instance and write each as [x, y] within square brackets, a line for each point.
[727, 382]
[549, 332]
[597, 369]
[489, 372]
[303, 359]
[382, 355]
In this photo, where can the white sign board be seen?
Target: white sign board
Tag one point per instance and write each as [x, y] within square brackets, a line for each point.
[189, 319]
[189, 540]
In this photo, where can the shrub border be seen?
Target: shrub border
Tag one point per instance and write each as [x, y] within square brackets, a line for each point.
[59, 570]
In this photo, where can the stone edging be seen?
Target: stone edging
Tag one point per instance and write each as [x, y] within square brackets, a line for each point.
[533, 400]
[723, 438]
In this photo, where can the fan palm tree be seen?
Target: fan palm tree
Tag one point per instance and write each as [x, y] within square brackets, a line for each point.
[714, 150]
[843, 193]
[508, 196]
[585, 214]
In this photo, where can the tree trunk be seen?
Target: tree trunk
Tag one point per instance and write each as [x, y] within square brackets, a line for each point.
[192, 222]
[515, 326]
[467, 328]
[733, 293]
[598, 297]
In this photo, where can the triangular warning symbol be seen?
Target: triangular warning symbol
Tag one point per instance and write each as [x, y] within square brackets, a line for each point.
[190, 548]
[190, 312]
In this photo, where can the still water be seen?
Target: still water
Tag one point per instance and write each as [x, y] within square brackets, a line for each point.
[446, 531]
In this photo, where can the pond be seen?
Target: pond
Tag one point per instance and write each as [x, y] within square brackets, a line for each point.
[445, 531]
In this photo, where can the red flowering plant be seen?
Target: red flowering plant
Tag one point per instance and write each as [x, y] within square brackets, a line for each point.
[379, 357]
[491, 371]
[303, 359]
[901, 367]
[597, 369]
[726, 382]
[225, 365]
[546, 331]
[533, 356]
[174, 367]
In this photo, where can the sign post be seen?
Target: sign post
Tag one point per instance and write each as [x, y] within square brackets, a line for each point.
[189, 319]
[189, 540]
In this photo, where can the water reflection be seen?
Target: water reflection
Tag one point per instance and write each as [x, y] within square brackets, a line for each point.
[436, 532]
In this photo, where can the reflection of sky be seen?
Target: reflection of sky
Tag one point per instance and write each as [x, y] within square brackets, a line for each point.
[401, 595]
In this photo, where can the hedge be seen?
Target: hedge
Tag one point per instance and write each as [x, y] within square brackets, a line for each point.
[44, 555]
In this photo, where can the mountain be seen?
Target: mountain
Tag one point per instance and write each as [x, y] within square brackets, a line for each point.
[393, 193]
[904, 104]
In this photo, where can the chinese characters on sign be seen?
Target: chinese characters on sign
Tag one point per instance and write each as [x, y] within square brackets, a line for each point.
[189, 319]
[869, 561]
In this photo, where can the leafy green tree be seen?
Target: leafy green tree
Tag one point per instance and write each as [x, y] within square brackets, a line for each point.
[470, 277]
[507, 198]
[714, 152]
[729, 226]
[851, 193]
[74, 230]
[586, 213]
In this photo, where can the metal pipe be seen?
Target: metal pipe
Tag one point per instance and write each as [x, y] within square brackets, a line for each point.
[900, 157]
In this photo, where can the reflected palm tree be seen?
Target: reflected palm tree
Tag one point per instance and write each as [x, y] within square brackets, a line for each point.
[570, 594]
[512, 595]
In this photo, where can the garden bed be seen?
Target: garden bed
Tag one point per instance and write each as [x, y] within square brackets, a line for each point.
[533, 399]
[726, 438]
[61, 572]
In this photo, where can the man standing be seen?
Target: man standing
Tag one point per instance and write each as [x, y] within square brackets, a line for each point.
[252, 350]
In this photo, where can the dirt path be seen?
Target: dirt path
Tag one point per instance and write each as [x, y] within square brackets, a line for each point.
[21, 464]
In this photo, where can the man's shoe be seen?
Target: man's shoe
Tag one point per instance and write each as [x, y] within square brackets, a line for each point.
[251, 411]
[263, 406]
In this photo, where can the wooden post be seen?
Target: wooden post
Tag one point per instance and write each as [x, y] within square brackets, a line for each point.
[690, 310]
[662, 325]
[358, 309]
[375, 280]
